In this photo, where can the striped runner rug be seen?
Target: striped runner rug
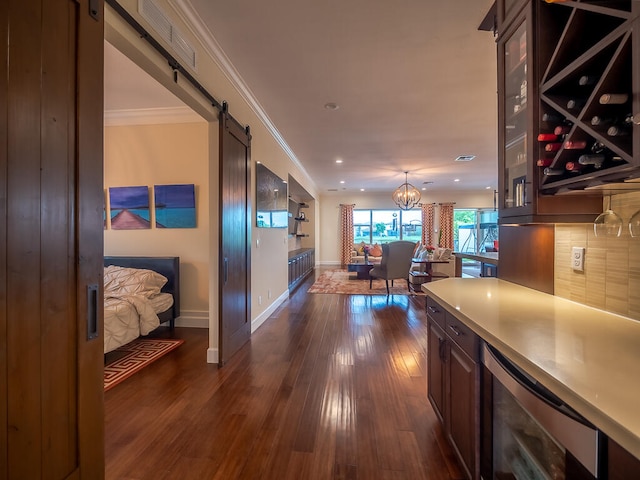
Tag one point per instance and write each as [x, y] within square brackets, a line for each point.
[135, 356]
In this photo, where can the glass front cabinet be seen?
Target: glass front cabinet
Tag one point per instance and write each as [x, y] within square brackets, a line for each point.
[568, 104]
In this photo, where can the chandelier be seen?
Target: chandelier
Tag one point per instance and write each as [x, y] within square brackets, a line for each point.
[406, 196]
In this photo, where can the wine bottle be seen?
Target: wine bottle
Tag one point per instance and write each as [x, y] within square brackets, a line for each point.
[587, 80]
[618, 131]
[551, 172]
[573, 167]
[547, 137]
[544, 162]
[614, 98]
[575, 103]
[552, 118]
[561, 130]
[598, 121]
[575, 144]
[596, 159]
[552, 147]
[523, 91]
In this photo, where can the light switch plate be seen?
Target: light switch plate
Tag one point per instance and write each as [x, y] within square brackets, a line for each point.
[577, 259]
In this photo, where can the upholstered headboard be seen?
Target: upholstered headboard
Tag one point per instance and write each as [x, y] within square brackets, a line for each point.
[167, 266]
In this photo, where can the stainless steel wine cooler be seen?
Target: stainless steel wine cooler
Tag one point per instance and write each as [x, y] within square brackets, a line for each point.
[533, 435]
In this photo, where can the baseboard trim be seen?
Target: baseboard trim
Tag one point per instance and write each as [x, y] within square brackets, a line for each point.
[260, 319]
[193, 319]
[212, 355]
[329, 263]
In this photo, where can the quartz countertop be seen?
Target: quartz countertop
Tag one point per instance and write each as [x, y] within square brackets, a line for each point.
[588, 357]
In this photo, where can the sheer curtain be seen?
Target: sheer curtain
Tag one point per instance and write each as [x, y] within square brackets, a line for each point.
[446, 225]
[346, 233]
[428, 214]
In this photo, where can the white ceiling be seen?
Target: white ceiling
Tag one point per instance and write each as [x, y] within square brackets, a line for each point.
[415, 82]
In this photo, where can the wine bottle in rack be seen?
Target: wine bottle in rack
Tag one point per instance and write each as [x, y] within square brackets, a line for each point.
[547, 137]
[598, 121]
[618, 131]
[595, 159]
[561, 130]
[544, 162]
[574, 167]
[613, 98]
[575, 144]
[587, 80]
[552, 118]
[552, 147]
[575, 103]
[553, 172]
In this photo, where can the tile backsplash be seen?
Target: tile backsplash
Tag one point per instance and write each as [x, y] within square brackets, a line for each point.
[611, 277]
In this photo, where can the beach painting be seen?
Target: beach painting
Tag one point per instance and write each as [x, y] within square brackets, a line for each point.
[129, 208]
[175, 206]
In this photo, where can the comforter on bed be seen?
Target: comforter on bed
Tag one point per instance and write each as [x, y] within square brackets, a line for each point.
[132, 300]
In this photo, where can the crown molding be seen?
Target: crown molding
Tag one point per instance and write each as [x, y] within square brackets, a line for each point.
[151, 116]
[189, 15]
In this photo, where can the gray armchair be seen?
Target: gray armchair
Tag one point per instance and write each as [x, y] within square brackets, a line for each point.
[395, 263]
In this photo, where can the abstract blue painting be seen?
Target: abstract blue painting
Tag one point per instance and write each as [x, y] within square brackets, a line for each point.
[175, 206]
[129, 208]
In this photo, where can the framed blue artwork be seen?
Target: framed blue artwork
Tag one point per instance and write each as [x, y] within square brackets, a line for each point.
[175, 206]
[129, 208]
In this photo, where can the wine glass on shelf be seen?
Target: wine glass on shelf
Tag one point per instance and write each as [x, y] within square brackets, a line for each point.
[634, 224]
[608, 223]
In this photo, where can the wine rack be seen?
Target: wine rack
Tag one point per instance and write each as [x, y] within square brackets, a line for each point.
[577, 127]
[588, 85]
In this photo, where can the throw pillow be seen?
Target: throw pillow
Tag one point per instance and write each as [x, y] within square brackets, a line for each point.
[375, 251]
[416, 249]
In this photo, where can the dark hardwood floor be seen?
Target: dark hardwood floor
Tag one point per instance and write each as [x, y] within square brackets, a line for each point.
[329, 387]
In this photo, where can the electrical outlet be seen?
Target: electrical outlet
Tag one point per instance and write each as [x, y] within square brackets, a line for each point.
[269, 293]
[259, 299]
[577, 258]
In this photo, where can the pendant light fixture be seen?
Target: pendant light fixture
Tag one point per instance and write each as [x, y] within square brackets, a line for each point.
[406, 196]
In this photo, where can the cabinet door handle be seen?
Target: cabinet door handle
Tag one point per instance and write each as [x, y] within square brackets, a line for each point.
[433, 309]
[455, 330]
[441, 344]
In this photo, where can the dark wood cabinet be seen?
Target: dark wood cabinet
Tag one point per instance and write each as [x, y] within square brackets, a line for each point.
[453, 383]
[555, 64]
[301, 263]
[621, 465]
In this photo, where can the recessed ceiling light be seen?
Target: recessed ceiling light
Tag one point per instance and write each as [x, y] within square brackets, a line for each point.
[456, 179]
[465, 158]
[339, 160]
[341, 181]
[362, 189]
[331, 106]
[488, 188]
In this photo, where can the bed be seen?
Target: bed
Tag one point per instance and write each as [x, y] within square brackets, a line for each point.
[140, 293]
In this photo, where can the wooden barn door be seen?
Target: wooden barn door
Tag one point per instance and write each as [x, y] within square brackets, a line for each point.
[235, 236]
[51, 216]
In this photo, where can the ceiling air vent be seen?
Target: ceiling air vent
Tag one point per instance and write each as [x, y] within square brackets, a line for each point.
[161, 23]
[465, 158]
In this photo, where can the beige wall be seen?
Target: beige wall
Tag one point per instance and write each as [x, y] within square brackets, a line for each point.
[161, 155]
[611, 277]
[329, 212]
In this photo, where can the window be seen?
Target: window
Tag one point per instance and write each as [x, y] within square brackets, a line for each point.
[475, 230]
[383, 226]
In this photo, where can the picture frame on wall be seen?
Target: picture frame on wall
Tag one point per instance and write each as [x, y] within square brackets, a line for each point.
[175, 206]
[129, 208]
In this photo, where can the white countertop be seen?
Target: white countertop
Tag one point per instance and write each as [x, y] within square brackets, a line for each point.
[588, 357]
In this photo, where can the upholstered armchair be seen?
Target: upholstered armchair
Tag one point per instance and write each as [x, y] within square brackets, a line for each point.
[395, 263]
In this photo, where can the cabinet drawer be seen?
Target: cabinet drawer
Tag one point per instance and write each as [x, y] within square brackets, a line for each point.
[463, 336]
[436, 312]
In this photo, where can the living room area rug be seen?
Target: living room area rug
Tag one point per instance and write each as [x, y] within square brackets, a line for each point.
[340, 281]
[134, 356]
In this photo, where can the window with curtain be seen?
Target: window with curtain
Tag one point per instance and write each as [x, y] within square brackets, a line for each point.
[383, 226]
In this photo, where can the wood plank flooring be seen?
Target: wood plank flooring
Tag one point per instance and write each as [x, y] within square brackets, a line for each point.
[329, 387]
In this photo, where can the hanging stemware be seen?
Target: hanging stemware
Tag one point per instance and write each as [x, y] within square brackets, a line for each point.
[608, 223]
[634, 224]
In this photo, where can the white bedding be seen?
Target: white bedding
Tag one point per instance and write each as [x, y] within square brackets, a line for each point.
[132, 300]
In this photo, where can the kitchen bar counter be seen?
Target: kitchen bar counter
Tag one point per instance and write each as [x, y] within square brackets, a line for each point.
[588, 357]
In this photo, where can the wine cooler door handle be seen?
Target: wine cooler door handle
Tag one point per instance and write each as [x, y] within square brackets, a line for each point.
[225, 270]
